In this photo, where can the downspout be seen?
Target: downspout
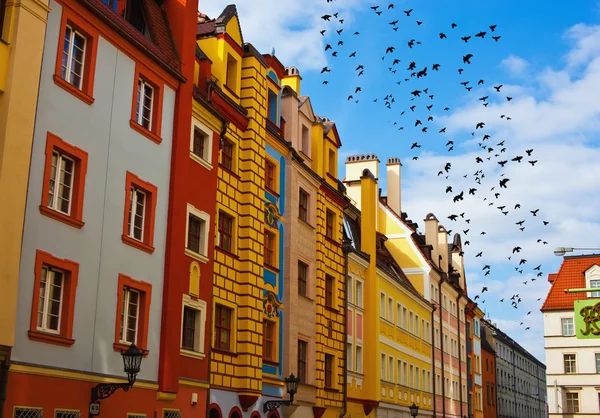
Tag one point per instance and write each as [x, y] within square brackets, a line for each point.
[442, 349]
[346, 248]
[460, 356]
[432, 357]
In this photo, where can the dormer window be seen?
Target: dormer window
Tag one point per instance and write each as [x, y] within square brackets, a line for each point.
[272, 107]
[232, 74]
[331, 162]
[592, 279]
[111, 3]
[134, 15]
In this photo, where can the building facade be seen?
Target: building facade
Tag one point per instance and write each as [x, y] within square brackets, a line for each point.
[573, 362]
[474, 362]
[488, 374]
[22, 29]
[520, 377]
[94, 240]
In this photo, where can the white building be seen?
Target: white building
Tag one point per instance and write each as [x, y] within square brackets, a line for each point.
[573, 375]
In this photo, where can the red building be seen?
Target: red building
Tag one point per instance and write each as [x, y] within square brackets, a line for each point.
[488, 363]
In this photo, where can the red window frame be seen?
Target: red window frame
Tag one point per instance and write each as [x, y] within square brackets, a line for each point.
[145, 290]
[54, 143]
[270, 171]
[144, 73]
[270, 240]
[269, 340]
[303, 205]
[67, 309]
[220, 312]
[227, 155]
[302, 360]
[329, 289]
[225, 231]
[302, 278]
[330, 218]
[149, 215]
[86, 92]
[329, 370]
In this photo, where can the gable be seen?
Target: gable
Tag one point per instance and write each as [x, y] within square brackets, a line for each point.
[233, 29]
[307, 109]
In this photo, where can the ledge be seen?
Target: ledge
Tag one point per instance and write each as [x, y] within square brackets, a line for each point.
[230, 254]
[201, 161]
[326, 389]
[306, 223]
[331, 241]
[330, 309]
[199, 257]
[84, 97]
[56, 339]
[137, 244]
[225, 352]
[145, 132]
[270, 362]
[272, 192]
[61, 217]
[193, 354]
[225, 169]
[122, 346]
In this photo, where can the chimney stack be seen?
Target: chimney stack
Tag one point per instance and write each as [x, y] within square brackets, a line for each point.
[355, 167]
[443, 248]
[431, 236]
[292, 78]
[368, 218]
[394, 185]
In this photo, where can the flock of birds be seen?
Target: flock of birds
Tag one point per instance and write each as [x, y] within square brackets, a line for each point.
[420, 100]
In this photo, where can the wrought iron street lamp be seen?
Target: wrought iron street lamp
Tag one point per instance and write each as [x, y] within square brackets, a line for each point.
[291, 385]
[560, 251]
[414, 410]
[132, 361]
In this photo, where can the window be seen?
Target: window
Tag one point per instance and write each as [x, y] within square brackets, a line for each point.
[411, 376]
[595, 284]
[66, 413]
[359, 293]
[399, 372]
[132, 312]
[305, 145]
[405, 373]
[349, 357]
[390, 310]
[417, 377]
[53, 299]
[302, 278]
[329, 370]
[272, 107]
[390, 377]
[201, 144]
[329, 222]
[2, 7]
[329, 289]
[382, 305]
[140, 206]
[358, 367]
[192, 328]
[405, 318]
[225, 241]
[302, 360]
[570, 362]
[332, 162]
[76, 59]
[232, 74]
[172, 413]
[144, 103]
[597, 356]
[28, 412]
[303, 205]
[64, 181]
[146, 114]
[197, 234]
[270, 248]
[411, 323]
[572, 402]
[350, 289]
[270, 176]
[227, 155]
[223, 316]
[417, 332]
[383, 359]
[269, 338]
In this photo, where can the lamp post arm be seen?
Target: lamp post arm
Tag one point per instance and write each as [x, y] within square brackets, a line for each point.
[583, 290]
[106, 390]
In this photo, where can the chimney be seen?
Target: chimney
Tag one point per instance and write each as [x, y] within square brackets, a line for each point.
[431, 236]
[368, 216]
[443, 248]
[292, 78]
[394, 191]
[355, 167]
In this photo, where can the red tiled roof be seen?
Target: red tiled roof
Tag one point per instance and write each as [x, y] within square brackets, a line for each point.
[205, 28]
[161, 48]
[571, 275]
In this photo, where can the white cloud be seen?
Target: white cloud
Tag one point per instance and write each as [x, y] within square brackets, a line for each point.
[515, 66]
[291, 27]
[587, 43]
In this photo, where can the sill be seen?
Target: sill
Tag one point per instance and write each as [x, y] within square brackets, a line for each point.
[332, 177]
[223, 351]
[227, 170]
[81, 95]
[330, 309]
[305, 155]
[196, 256]
[270, 362]
[137, 244]
[273, 192]
[193, 354]
[201, 161]
[272, 268]
[331, 241]
[307, 297]
[145, 132]
[118, 347]
[328, 389]
[56, 339]
[306, 223]
[54, 214]
[231, 91]
[229, 253]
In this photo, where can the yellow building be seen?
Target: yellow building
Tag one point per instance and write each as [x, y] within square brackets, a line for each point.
[22, 29]
[390, 359]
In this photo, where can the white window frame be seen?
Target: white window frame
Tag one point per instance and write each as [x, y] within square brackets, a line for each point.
[593, 273]
[358, 360]
[390, 367]
[208, 144]
[125, 325]
[562, 327]
[383, 366]
[301, 147]
[350, 289]
[133, 198]
[359, 301]
[204, 217]
[382, 303]
[200, 306]
[565, 363]
[60, 157]
[141, 92]
[349, 356]
[390, 309]
[71, 56]
[597, 361]
[567, 409]
[50, 272]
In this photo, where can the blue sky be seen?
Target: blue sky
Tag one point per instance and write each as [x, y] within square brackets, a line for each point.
[548, 61]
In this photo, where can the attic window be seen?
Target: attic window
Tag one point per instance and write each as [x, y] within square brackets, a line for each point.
[305, 146]
[232, 75]
[272, 107]
[134, 14]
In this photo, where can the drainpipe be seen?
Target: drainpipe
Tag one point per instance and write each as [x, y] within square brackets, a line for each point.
[346, 248]
[432, 357]
[442, 349]
[460, 356]
[3, 384]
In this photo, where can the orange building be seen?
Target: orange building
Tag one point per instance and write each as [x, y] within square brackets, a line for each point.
[488, 374]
